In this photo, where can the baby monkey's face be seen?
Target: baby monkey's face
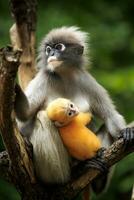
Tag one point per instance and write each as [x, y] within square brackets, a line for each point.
[70, 110]
[66, 114]
[62, 111]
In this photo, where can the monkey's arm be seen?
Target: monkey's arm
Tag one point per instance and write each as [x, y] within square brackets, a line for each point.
[102, 105]
[21, 105]
[84, 118]
[28, 103]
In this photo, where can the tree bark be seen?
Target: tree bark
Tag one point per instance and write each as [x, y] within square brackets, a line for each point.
[22, 36]
[21, 168]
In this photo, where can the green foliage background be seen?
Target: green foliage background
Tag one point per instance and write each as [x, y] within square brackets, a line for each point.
[111, 41]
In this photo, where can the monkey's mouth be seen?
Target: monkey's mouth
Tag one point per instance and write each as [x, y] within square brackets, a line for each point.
[54, 63]
[51, 59]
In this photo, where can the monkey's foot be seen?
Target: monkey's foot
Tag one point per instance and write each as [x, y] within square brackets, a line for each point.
[128, 135]
[99, 183]
[97, 162]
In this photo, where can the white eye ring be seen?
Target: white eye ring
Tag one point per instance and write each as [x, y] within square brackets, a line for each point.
[48, 49]
[60, 47]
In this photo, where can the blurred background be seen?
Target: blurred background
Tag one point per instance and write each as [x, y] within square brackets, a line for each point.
[110, 24]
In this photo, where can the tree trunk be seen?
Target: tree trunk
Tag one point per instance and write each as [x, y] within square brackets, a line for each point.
[22, 35]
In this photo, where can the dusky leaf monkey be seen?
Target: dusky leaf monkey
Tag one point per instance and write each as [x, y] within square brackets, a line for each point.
[62, 61]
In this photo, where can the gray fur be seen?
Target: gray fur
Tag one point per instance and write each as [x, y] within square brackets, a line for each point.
[75, 84]
[51, 160]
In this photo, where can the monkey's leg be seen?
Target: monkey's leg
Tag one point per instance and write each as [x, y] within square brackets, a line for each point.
[128, 135]
[96, 162]
[100, 182]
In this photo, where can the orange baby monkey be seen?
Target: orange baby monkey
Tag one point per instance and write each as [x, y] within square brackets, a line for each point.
[80, 142]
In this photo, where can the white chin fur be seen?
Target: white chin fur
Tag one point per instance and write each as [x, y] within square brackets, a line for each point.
[51, 58]
[54, 65]
[51, 67]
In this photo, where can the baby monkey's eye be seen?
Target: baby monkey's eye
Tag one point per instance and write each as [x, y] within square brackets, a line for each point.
[48, 49]
[71, 105]
[70, 113]
[60, 47]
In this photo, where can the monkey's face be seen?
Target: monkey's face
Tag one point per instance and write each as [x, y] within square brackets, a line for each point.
[61, 56]
[67, 113]
[62, 111]
[63, 49]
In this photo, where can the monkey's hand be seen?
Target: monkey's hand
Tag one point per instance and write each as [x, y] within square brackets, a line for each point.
[128, 135]
[97, 162]
[21, 104]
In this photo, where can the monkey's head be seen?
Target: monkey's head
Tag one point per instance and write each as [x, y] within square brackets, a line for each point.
[63, 48]
[62, 111]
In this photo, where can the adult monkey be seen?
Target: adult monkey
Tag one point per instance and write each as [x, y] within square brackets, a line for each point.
[61, 63]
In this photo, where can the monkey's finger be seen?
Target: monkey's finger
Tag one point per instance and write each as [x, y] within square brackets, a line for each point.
[98, 163]
[128, 135]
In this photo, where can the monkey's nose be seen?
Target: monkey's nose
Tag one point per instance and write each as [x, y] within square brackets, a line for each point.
[75, 111]
[52, 52]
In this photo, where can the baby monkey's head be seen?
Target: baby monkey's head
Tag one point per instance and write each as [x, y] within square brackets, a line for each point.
[62, 111]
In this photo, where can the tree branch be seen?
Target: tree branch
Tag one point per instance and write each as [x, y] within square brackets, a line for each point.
[112, 155]
[21, 164]
[22, 35]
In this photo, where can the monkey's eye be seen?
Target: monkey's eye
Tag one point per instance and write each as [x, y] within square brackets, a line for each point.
[48, 49]
[60, 47]
[70, 114]
[71, 105]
